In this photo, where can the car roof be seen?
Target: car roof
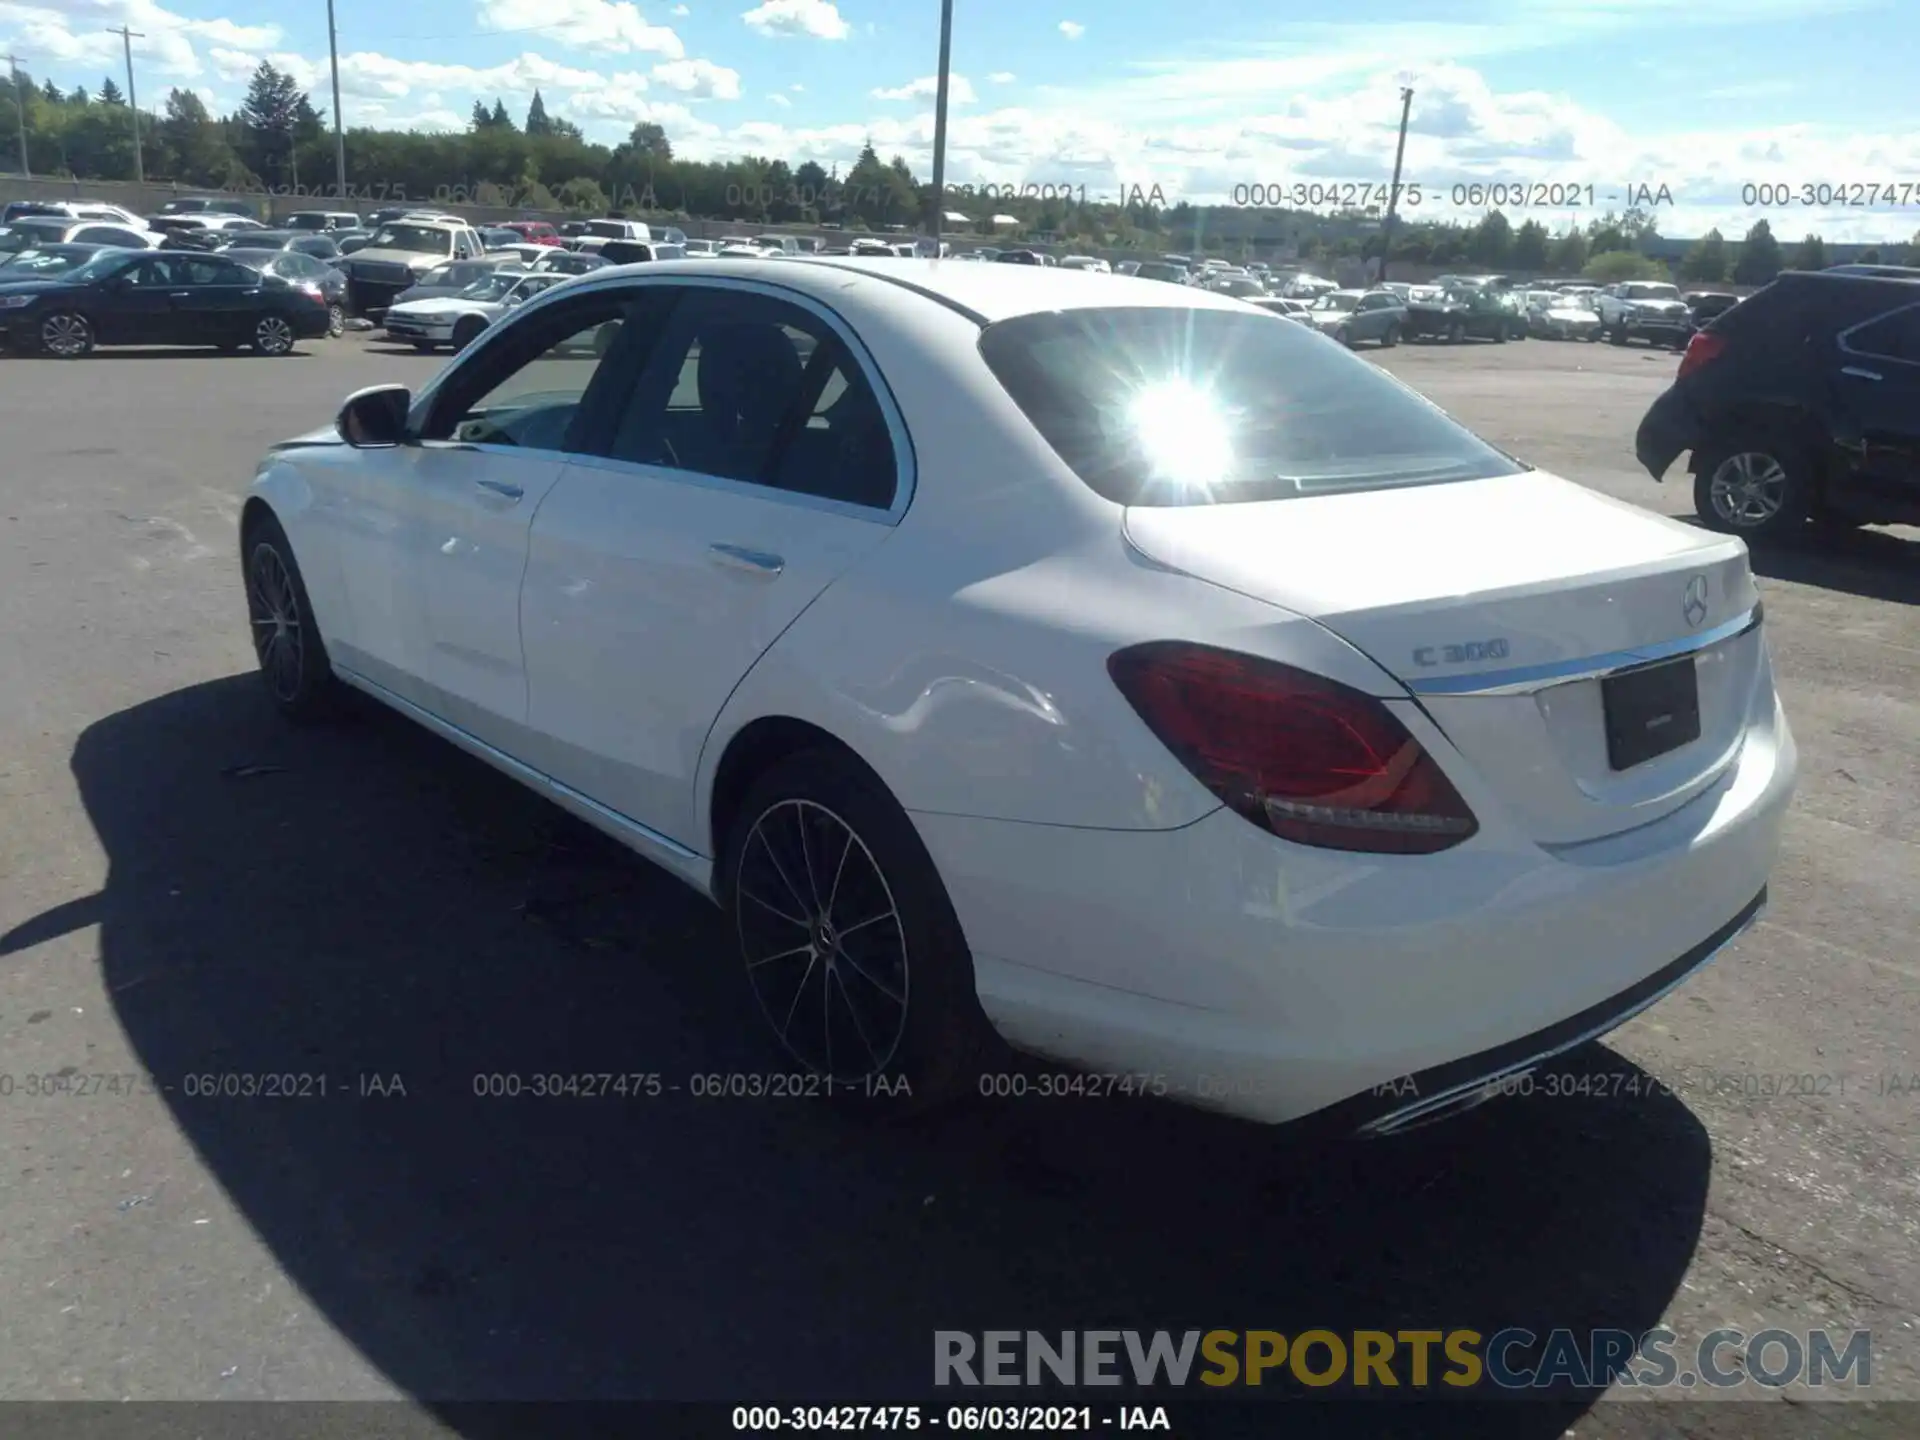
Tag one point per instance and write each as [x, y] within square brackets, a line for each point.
[985, 293]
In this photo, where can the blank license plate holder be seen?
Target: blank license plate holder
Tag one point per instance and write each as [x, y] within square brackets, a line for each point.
[1650, 711]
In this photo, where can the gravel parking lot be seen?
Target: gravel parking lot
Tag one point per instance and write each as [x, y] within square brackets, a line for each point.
[188, 888]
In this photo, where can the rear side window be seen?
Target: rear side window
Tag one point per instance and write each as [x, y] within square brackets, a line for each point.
[1891, 337]
[1175, 406]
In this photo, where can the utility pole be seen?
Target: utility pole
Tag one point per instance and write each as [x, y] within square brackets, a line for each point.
[940, 125]
[1393, 195]
[20, 109]
[339, 134]
[127, 37]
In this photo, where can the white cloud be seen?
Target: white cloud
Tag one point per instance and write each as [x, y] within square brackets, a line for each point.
[587, 24]
[796, 87]
[1002, 77]
[778, 99]
[819, 18]
[72, 35]
[680, 10]
[700, 79]
[959, 90]
[1072, 29]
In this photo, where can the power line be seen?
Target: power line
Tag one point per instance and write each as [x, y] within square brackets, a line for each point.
[127, 37]
[19, 109]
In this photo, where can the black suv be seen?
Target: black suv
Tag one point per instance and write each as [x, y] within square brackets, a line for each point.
[1801, 403]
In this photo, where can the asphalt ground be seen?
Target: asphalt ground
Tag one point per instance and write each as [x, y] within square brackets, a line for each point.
[188, 888]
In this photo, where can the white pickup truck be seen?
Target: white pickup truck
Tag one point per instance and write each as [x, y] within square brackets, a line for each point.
[1644, 310]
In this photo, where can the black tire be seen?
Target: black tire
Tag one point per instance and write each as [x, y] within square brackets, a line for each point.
[66, 335]
[425, 347]
[1772, 470]
[1500, 333]
[1391, 338]
[1344, 336]
[933, 1045]
[1456, 332]
[300, 680]
[273, 335]
[1617, 335]
[336, 321]
[467, 331]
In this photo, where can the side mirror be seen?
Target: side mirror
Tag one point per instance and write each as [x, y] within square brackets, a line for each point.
[375, 418]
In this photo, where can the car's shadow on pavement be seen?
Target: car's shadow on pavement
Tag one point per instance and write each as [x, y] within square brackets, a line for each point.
[363, 905]
[1873, 564]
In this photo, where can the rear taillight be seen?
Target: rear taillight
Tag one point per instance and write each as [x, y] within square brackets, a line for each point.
[1703, 347]
[1309, 759]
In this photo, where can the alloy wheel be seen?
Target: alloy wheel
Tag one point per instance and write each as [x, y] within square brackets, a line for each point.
[1748, 489]
[66, 335]
[823, 942]
[273, 335]
[278, 636]
[336, 321]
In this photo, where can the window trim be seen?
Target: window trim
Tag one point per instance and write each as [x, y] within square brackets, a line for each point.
[905, 459]
[1847, 347]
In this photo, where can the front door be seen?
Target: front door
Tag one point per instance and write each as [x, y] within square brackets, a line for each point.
[492, 444]
[142, 310]
[752, 465]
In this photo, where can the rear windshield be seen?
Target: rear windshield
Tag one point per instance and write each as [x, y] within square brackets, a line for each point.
[1166, 405]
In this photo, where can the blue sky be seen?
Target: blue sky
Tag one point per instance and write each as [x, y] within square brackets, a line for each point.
[1703, 97]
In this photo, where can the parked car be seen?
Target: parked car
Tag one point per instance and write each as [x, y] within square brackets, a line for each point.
[319, 246]
[1704, 305]
[33, 231]
[1649, 310]
[455, 279]
[1160, 270]
[153, 297]
[703, 247]
[568, 262]
[639, 252]
[1465, 309]
[1014, 257]
[534, 232]
[498, 237]
[1799, 404]
[351, 241]
[868, 248]
[387, 215]
[1885, 272]
[1090, 263]
[209, 222]
[1125, 267]
[1292, 309]
[598, 232]
[399, 254]
[321, 220]
[457, 320]
[209, 205]
[1400, 866]
[48, 261]
[1555, 315]
[1354, 317]
[74, 210]
[1244, 286]
[303, 272]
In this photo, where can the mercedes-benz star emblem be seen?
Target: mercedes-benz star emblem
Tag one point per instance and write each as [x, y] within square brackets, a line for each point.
[1695, 605]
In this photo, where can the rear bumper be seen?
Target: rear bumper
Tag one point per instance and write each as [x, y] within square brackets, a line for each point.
[1241, 974]
[1668, 428]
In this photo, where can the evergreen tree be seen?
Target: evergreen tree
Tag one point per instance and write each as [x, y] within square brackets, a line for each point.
[1760, 257]
[1530, 247]
[1707, 260]
[1812, 254]
[537, 121]
[499, 119]
[110, 93]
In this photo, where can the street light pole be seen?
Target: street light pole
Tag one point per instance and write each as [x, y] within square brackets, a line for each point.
[1393, 195]
[127, 37]
[339, 133]
[20, 109]
[940, 124]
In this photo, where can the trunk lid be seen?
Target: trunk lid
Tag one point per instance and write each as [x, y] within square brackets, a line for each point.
[1494, 601]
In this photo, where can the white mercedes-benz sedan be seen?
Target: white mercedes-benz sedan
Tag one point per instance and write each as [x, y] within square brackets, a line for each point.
[1110, 665]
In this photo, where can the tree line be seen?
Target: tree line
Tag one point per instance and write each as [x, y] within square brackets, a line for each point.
[278, 140]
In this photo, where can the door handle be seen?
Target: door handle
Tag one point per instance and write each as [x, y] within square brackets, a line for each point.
[180, 295]
[1859, 374]
[738, 557]
[502, 487]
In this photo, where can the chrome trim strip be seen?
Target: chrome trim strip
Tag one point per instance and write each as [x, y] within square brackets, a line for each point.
[519, 769]
[1450, 1099]
[1525, 679]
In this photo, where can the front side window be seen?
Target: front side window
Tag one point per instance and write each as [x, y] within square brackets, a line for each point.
[1171, 406]
[746, 387]
[527, 388]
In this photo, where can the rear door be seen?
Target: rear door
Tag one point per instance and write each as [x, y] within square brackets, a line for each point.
[753, 463]
[1877, 401]
[213, 300]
